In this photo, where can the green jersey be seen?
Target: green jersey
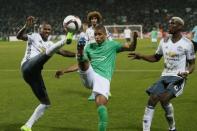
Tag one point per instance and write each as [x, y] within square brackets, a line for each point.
[102, 57]
[154, 34]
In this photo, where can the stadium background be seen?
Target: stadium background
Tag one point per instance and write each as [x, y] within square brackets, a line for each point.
[70, 110]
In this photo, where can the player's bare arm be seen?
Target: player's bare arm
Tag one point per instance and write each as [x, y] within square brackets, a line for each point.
[29, 23]
[61, 72]
[191, 68]
[131, 46]
[66, 53]
[149, 58]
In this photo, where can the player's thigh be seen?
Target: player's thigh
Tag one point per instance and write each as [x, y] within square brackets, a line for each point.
[87, 77]
[101, 86]
[176, 86]
[157, 88]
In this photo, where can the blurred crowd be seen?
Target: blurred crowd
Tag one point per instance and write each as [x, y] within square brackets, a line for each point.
[149, 13]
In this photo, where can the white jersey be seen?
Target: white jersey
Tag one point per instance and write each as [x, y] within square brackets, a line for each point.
[127, 33]
[90, 35]
[175, 55]
[35, 46]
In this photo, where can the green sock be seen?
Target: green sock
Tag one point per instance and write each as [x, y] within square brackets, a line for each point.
[103, 118]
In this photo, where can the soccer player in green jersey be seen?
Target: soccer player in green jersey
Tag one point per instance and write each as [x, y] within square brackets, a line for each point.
[154, 36]
[96, 63]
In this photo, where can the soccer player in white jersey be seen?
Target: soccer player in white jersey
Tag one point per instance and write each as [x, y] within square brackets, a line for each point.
[127, 33]
[179, 62]
[38, 51]
[194, 38]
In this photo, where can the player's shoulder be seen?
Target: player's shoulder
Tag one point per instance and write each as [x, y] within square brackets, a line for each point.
[186, 40]
[33, 35]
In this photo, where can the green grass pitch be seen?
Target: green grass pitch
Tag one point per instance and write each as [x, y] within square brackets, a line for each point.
[70, 110]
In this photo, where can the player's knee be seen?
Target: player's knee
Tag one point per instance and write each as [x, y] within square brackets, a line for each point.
[101, 100]
[153, 100]
[164, 101]
[46, 102]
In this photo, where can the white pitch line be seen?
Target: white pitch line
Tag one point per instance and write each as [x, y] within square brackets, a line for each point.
[118, 70]
[52, 70]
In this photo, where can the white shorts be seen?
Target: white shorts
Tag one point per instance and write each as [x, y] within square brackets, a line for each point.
[154, 40]
[96, 82]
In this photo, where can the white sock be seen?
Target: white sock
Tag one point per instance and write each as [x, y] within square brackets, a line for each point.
[169, 114]
[93, 94]
[147, 119]
[53, 49]
[38, 112]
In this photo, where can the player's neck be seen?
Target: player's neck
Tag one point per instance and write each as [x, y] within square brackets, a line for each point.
[176, 37]
[43, 38]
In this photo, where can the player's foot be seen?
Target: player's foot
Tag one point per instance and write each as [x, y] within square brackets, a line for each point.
[80, 46]
[172, 129]
[69, 37]
[91, 97]
[25, 128]
[110, 94]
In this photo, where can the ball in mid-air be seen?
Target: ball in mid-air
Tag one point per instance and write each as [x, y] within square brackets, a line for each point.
[72, 23]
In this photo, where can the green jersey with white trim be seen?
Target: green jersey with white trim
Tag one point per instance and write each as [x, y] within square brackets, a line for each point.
[102, 57]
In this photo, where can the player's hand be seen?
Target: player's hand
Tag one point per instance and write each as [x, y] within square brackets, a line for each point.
[29, 21]
[134, 55]
[183, 74]
[59, 73]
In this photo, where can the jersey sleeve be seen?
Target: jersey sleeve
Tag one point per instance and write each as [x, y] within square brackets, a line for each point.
[159, 50]
[118, 46]
[30, 36]
[190, 52]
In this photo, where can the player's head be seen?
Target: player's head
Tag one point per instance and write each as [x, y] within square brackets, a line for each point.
[175, 25]
[94, 18]
[100, 33]
[45, 30]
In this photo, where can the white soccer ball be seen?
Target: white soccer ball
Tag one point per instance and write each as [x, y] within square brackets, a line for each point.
[72, 23]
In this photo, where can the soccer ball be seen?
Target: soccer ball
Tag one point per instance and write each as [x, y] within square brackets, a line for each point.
[72, 23]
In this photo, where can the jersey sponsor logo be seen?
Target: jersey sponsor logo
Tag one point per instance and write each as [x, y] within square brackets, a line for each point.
[180, 48]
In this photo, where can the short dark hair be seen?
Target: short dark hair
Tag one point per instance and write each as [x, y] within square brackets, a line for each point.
[101, 27]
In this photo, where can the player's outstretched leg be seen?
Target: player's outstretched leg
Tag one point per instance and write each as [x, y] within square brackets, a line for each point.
[50, 51]
[25, 128]
[80, 48]
[38, 112]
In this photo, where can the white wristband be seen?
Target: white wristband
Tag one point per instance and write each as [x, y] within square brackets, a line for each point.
[187, 71]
